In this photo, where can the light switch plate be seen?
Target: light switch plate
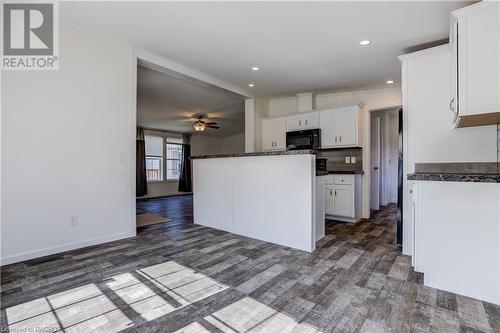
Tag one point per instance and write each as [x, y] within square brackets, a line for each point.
[348, 159]
[353, 159]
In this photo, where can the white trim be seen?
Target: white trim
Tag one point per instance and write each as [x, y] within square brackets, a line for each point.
[63, 248]
[132, 137]
[176, 67]
[419, 53]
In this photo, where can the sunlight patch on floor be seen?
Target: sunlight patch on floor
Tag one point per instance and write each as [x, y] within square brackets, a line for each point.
[250, 315]
[150, 292]
[82, 309]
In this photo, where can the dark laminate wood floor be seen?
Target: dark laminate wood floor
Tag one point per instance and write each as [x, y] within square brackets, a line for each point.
[183, 277]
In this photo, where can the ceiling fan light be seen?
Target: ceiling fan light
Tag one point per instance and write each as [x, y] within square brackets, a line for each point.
[199, 126]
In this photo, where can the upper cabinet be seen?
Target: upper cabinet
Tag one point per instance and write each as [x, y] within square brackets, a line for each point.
[274, 134]
[341, 127]
[475, 46]
[302, 121]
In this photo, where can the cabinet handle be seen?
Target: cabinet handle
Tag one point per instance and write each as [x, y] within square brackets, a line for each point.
[341, 138]
[306, 122]
[335, 139]
[300, 123]
[335, 192]
[330, 192]
[452, 109]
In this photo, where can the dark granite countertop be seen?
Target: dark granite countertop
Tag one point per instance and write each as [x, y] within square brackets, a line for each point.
[265, 153]
[456, 177]
[340, 172]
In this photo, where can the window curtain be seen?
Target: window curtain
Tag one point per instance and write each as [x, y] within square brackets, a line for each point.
[141, 185]
[185, 176]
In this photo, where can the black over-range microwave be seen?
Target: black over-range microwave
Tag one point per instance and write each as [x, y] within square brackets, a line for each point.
[306, 139]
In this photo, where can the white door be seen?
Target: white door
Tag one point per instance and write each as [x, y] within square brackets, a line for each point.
[311, 120]
[267, 134]
[294, 123]
[329, 199]
[375, 164]
[279, 130]
[343, 200]
[347, 127]
[328, 124]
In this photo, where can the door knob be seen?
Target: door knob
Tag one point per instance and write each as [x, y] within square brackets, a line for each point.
[375, 168]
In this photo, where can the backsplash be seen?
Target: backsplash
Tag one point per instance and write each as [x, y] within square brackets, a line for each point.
[336, 159]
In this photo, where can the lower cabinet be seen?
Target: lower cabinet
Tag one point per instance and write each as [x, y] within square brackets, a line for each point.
[342, 196]
[329, 199]
[343, 200]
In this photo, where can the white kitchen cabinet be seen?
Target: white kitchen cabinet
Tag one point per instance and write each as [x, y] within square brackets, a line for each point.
[341, 127]
[299, 122]
[328, 199]
[274, 134]
[343, 197]
[343, 200]
[475, 46]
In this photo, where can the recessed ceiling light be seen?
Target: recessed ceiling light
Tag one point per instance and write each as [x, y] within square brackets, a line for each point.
[365, 42]
[250, 84]
[255, 68]
[389, 81]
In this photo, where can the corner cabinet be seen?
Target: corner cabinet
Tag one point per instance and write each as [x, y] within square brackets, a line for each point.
[342, 197]
[475, 52]
[274, 134]
[341, 127]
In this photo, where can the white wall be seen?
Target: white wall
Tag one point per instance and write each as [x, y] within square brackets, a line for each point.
[63, 133]
[371, 100]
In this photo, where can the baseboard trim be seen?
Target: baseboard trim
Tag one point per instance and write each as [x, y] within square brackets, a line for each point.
[62, 248]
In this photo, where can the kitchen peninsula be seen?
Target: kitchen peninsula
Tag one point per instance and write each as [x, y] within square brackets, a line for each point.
[269, 196]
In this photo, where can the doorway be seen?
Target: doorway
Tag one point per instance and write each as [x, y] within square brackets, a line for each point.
[384, 152]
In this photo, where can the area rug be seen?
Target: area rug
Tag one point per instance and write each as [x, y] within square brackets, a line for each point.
[149, 219]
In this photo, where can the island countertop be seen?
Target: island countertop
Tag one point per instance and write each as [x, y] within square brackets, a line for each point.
[261, 153]
[455, 177]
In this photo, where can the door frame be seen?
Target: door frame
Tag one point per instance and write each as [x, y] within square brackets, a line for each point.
[366, 182]
[375, 198]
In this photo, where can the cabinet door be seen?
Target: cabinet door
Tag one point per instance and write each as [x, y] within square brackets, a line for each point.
[347, 129]
[267, 134]
[343, 200]
[328, 124]
[279, 130]
[328, 199]
[294, 123]
[311, 120]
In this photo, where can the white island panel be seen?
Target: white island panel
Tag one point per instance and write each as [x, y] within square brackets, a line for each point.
[271, 198]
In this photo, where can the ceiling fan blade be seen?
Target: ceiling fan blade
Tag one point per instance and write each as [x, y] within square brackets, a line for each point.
[212, 126]
[211, 123]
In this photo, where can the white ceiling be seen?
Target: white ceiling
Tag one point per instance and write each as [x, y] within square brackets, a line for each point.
[299, 46]
[166, 103]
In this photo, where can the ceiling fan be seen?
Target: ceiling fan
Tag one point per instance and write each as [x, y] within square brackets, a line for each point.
[200, 123]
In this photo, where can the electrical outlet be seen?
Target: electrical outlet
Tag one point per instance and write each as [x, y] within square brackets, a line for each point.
[348, 159]
[74, 221]
[353, 159]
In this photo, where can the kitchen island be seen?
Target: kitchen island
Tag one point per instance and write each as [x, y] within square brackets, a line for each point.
[269, 196]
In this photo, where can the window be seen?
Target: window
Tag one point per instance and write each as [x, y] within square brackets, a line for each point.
[174, 158]
[154, 158]
[160, 161]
